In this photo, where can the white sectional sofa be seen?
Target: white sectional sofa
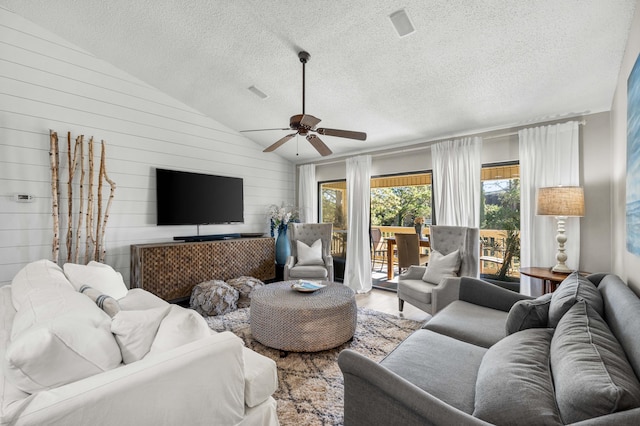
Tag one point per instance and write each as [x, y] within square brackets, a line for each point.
[62, 357]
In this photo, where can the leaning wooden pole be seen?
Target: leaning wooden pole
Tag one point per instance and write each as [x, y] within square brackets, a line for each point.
[72, 161]
[89, 224]
[80, 140]
[112, 184]
[98, 242]
[53, 159]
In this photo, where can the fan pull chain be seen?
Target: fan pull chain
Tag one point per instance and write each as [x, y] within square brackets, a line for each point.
[297, 145]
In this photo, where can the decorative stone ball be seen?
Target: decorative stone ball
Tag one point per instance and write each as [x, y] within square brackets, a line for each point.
[214, 298]
[245, 285]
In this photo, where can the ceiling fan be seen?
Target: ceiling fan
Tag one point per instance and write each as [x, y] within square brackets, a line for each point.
[305, 124]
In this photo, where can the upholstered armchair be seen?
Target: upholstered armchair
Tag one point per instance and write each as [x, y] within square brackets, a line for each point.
[310, 252]
[455, 251]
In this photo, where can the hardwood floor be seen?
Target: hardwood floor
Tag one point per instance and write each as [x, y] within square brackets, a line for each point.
[387, 301]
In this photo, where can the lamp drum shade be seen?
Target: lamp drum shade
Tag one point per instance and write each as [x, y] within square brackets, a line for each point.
[561, 201]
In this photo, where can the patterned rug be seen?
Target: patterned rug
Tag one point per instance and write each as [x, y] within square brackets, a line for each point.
[310, 384]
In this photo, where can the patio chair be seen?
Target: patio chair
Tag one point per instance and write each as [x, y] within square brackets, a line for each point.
[378, 248]
[409, 251]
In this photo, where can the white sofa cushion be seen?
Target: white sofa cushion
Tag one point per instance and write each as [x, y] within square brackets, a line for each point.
[179, 327]
[260, 377]
[136, 330]
[37, 275]
[98, 276]
[66, 329]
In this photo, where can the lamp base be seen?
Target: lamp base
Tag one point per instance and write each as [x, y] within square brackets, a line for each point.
[561, 268]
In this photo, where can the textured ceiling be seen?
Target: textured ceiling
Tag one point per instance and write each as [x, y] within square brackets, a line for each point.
[469, 66]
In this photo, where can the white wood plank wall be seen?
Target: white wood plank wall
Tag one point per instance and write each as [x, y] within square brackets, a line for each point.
[47, 83]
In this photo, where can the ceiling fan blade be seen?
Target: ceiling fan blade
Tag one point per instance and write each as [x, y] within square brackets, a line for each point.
[279, 143]
[361, 136]
[309, 121]
[262, 130]
[319, 145]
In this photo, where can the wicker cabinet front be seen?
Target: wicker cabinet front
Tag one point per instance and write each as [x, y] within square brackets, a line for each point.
[170, 270]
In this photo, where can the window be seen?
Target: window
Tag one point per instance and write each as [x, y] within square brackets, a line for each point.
[396, 201]
[500, 221]
[333, 209]
[400, 199]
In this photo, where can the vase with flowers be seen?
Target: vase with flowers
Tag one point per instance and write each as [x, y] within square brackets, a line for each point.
[418, 223]
[279, 218]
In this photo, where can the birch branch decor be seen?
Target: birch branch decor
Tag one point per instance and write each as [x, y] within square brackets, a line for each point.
[91, 215]
[55, 165]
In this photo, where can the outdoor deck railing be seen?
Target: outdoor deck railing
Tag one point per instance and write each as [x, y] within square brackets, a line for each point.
[491, 249]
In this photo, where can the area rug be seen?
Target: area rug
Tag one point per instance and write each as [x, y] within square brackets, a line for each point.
[310, 384]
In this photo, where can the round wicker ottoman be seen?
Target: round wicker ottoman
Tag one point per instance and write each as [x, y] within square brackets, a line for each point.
[292, 321]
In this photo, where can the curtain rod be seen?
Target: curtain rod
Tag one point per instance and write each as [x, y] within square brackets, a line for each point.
[426, 144]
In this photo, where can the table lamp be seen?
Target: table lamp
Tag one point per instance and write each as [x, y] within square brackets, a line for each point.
[561, 202]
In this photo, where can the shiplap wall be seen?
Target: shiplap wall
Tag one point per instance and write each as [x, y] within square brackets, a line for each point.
[47, 83]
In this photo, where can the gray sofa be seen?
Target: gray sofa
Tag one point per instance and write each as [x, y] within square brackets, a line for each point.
[492, 356]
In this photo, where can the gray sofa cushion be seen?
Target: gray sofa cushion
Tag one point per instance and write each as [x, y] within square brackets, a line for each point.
[514, 384]
[440, 365]
[528, 314]
[470, 323]
[591, 372]
[572, 289]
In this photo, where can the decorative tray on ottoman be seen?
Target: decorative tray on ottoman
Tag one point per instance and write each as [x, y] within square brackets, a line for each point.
[306, 286]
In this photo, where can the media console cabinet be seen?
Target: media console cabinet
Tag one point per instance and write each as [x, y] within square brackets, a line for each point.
[171, 270]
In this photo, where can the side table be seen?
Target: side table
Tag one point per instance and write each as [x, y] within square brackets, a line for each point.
[551, 279]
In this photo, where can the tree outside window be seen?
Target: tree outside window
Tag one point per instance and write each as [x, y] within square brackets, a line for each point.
[500, 220]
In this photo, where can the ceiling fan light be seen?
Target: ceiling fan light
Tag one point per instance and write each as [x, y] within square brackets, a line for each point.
[402, 23]
[259, 93]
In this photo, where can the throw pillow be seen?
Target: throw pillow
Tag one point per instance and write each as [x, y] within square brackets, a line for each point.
[526, 314]
[135, 331]
[99, 276]
[591, 372]
[572, 289]
[514, 370]
[46, 305]
[39, 275]
[66, 330]
[310, 255]
[179, 327]
[440, 267]
[104, 302]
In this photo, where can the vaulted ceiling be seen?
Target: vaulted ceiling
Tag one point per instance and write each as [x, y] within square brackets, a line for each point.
[469, 66]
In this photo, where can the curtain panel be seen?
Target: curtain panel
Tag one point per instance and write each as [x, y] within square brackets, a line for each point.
[549, 156]
[308, 193]
[457, 166]
[357, 274]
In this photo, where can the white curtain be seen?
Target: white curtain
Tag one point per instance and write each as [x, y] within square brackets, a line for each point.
[456, 181]
[357, 274]
[308, 194]
[549, 156]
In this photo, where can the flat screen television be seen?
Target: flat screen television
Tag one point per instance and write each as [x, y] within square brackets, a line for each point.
[186, 198]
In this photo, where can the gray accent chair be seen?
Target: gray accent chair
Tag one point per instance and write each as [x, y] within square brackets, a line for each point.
[444, 239]
[308, 233]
